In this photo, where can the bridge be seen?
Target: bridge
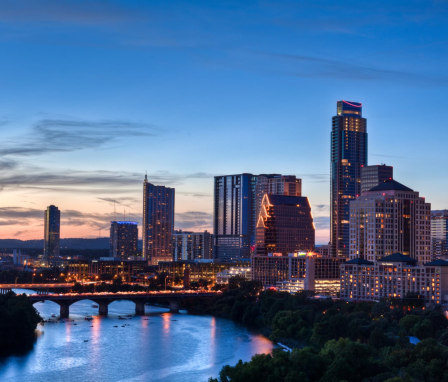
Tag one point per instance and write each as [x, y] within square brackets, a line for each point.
[169, 298]
[8, 287]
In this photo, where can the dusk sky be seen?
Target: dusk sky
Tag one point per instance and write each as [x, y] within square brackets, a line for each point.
[93, 94]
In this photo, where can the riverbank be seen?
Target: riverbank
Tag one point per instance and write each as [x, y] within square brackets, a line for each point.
[159, 346]
[18, 322]
[335, 340]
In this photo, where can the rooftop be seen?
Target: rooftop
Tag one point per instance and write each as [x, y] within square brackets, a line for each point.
[391, 184]
[359, 261]
[437, 263]
[288, 200]
[397, 258]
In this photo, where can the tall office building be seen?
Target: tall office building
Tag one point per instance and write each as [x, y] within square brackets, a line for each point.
[123, 239]
[348, 155]
[374, 175]
[390, 218]
[234, 216]
[276, 184]
[158, 222]
[192, 245]
[52, 234]
[237, 205]
[439, 234]
[285, 225]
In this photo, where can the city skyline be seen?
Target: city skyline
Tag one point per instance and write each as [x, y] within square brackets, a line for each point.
[207, 88]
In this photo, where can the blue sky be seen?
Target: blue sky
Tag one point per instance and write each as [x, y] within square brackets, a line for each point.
[93, 94]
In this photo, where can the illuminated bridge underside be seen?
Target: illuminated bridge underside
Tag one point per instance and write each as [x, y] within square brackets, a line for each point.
[172, 300]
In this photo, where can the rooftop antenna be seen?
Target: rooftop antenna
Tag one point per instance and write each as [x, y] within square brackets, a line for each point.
[146, 175]
[115, 212]
[124, 214]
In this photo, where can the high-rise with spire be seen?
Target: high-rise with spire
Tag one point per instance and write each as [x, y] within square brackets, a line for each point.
[158, 222]
[348, 155]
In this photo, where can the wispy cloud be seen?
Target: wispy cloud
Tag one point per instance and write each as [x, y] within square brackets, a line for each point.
[316, 178]
[194, 221]
[10, 216]
[308, 66]
[66, 11]
[64, 135]
[386, 156]
[322, 222]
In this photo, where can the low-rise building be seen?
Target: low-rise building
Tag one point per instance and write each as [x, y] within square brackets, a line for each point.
[224, 276]
[126, 270]
[289, 272]
[190, 271]
[394, 276]
[192, 245]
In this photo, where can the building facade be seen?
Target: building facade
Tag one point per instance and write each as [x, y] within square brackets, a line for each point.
[237, 202]
[390, 218]
[285, 225]
[298, 270]
[110, 269]
[394, 276]
[234, 216]
[374, 175]
[348, 155]
[192, 245]
[439, 234]
[189, 271]
[276, 184]
[52, 230]
[158, 222]
[123, 239]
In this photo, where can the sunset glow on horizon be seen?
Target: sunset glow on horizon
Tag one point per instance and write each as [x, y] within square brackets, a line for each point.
[95, 95]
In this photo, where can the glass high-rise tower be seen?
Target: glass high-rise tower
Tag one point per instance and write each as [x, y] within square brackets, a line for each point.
[234, 216]
[348, 155]
[158, 222]
[52, 234]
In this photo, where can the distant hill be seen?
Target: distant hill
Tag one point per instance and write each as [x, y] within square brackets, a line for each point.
[72, 243]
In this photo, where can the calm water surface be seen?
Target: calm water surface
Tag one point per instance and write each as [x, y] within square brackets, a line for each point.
[159, 346]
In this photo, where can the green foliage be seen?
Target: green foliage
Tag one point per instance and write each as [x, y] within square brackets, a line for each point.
[18, 321]
[344, 341]
[290, 324]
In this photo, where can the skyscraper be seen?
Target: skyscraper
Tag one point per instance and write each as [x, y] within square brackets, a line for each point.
[374, 175]
[237, 205]
[52, 234]
[348, 155]
[234, 216]
[285, 225]
[276, 184]
[158, 222]
[439, 234]
[123, 239]
[387, 219]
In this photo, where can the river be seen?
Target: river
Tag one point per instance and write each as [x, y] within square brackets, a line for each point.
[159, 346]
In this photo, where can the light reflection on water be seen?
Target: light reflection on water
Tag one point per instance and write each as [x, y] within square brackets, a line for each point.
[159, 346]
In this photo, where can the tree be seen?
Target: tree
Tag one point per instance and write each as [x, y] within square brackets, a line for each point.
[18, 321]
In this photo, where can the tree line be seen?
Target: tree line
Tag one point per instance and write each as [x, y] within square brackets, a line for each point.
[336, 340]
[18, 322]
